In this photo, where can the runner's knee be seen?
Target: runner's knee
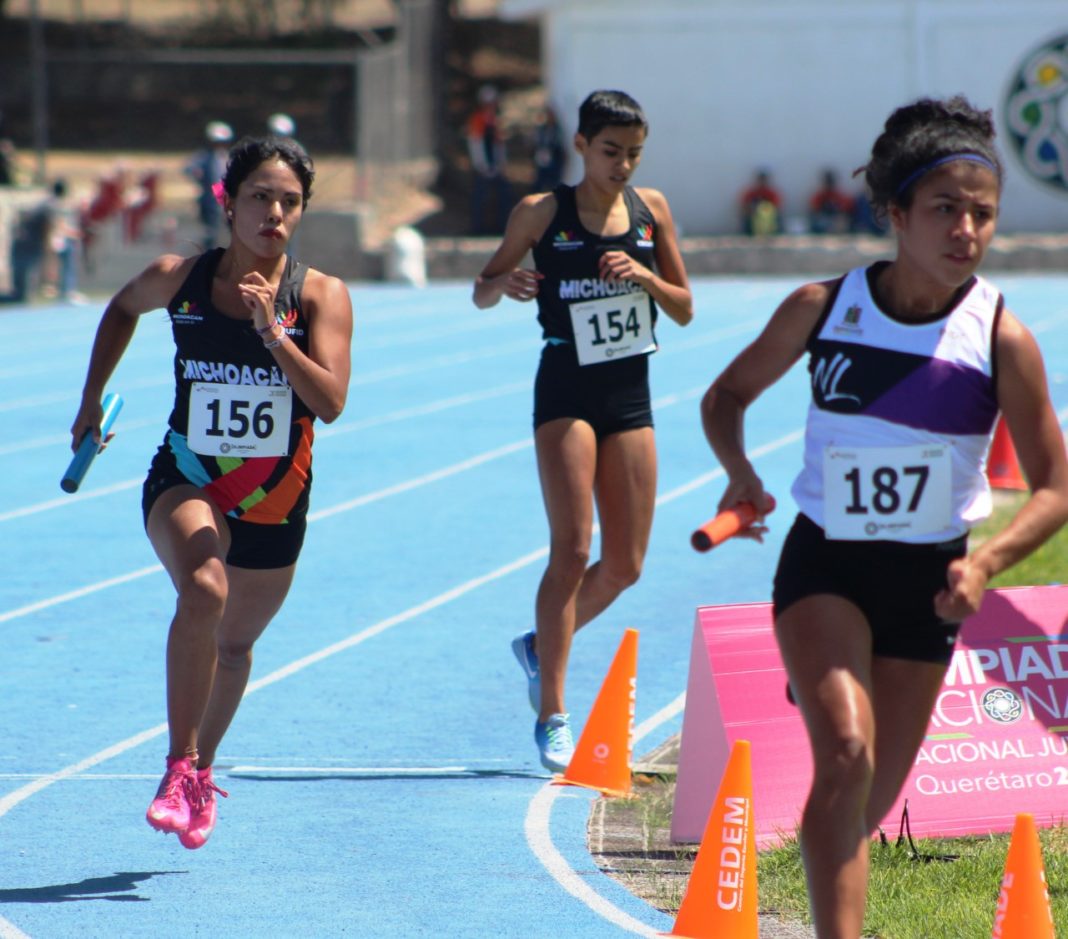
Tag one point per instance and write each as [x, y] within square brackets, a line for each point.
[202, 592]
[622, 574]
[235, 654]
[844, 764]
[570, 563]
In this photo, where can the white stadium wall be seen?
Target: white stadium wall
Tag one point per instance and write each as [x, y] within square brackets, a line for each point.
[797, 86]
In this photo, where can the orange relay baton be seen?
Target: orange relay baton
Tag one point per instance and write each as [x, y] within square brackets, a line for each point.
[727, 524]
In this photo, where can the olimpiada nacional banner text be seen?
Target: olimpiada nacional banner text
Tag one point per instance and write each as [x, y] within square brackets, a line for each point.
[997, 743]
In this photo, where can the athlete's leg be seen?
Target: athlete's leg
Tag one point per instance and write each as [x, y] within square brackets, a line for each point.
[826, 647]
[191, 539]
[567, 465]
[255, 597]
[626, 495]
[904, 693]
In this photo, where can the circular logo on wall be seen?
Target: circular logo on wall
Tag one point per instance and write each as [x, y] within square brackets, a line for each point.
[1002, 705]
[1036, 113]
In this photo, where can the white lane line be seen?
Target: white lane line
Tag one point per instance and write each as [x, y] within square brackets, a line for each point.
[539, 837]
[471, 397]
[9, 801]
[539, 814]
[368, 771]
[10, 931]
[537, 825]
[434, 476]
[79, 593]
[366, 499]
[72, 499]
[332, 430]
[53, 440]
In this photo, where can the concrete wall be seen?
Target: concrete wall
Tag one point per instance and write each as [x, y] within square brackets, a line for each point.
[794, 85]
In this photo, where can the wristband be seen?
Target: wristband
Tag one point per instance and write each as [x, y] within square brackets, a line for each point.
[277, 339]
[266, 329]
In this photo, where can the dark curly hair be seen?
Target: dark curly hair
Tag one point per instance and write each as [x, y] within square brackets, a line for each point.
[250, 152]
[918, 135]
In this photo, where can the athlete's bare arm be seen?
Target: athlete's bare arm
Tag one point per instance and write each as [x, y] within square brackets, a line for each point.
[502, 276]
[670, 287]
[1024, 398]
[763, 362]
[152, 289]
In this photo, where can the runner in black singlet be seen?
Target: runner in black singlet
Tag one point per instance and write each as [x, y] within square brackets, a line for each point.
[606, 259]
[261, 351]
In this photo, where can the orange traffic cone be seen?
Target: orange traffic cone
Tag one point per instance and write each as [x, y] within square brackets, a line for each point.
[1002, 466]
[1024, 910]
[603, 752]
[721, 897]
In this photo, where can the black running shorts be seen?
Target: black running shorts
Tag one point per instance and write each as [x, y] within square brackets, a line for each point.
[610, 396]
[893, 584]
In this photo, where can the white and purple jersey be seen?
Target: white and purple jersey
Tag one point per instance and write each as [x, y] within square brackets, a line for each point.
[901, 417]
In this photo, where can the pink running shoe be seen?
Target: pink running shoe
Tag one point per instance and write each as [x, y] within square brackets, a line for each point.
[202, 810]
[169, 811]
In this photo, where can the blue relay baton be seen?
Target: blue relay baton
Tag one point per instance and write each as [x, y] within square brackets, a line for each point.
[89, 448]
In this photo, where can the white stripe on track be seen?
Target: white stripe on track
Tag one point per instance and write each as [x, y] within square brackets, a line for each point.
[539, 837]
[366, 499]
[79, 593]
[76, 497]
[52, 440]
[537, 828]
[332, 430]
[10, 931]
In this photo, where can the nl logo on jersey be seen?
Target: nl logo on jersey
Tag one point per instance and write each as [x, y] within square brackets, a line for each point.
[645, 236]
[566, 241]
[826, 376]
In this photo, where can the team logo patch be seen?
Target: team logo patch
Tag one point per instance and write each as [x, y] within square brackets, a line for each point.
[187, 312]
[1036, 113]
[287, 320]
[566, 241]
[1002, 705]
[645, 236]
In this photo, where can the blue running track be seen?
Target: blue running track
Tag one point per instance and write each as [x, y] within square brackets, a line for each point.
[382, 774]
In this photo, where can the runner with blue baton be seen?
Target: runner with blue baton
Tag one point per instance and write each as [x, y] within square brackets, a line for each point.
[89, 448]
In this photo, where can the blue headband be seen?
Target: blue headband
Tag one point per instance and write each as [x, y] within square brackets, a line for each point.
[927, 167]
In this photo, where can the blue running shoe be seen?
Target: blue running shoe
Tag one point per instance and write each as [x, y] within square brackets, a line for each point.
[523, 647]
[555, 746]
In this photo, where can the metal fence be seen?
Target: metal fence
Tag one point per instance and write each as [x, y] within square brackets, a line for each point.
[395, 99]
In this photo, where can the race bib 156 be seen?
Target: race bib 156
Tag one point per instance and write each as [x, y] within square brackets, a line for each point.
[239, 420]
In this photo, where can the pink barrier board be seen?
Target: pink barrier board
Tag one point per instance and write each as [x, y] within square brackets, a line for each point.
[997, 743]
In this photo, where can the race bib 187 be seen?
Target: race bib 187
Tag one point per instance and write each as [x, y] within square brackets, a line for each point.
[886, 493]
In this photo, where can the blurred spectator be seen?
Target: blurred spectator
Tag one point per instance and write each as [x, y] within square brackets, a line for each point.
[485, 146]
[7, 156]
[761, 206]
[281, 125]
[7, 162]
[28, 246]
[550, 153]
[61, 265]
[864, 221]
[830, 210]
[108, 202]
[139, 204]
[205, 169]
